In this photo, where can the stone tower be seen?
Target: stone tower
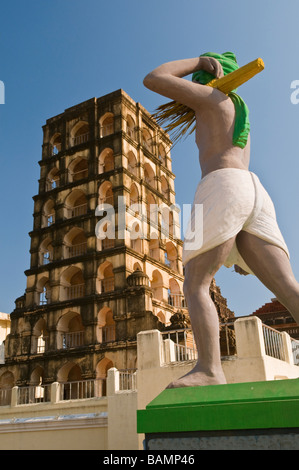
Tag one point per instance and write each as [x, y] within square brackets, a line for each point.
[105, 251]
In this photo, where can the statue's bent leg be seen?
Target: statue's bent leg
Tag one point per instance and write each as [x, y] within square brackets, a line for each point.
[199, 273]
[272, 267]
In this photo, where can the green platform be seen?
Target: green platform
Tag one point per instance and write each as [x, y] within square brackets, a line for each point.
[272, 405]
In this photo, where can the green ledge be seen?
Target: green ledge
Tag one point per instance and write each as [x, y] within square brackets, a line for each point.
[250, 405]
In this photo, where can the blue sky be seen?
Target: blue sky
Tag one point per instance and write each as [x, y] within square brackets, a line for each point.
[58, 53]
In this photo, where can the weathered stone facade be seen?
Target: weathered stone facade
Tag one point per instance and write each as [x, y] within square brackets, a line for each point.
[87, 298]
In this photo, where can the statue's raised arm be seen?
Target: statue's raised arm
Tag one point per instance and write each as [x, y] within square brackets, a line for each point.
[167, 80]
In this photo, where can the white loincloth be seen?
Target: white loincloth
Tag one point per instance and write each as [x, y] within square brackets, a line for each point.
[230, 200]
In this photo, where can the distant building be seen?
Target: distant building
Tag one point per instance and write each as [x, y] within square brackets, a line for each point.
[274, 314]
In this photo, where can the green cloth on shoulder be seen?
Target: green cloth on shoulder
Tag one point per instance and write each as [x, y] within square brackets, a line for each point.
[229, 64]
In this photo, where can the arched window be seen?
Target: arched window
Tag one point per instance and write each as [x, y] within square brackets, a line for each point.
[107, 242]
[72, 284]
[101, 373]
[78, 169]
[171, 255]
[106, 277]
[149, 175]
[46, 252]
[53, 179]
[55, 144]
[76, 203]
[175, 297]
[130, 126]
[146, 140]
[107, 125]
[70, 331]
[44, 291]
[134, 195]
[71, 383]
[80, 133]
[137, 267]
[106, 160]
[106, 326]
[106, 193]
[40, 337]
[162, 155]
[37, 392]
[165, 187]
[48, 217]
[157, 285]
[75, 242]
[132, 163]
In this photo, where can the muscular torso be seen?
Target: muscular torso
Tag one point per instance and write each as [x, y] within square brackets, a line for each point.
[214, 134]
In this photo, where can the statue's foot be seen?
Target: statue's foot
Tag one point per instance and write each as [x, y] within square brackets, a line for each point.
[196, 378]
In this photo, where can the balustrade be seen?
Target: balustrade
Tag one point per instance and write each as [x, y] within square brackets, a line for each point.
[81, 139]
[79, 210]
[75, 291]
[77, 250]
[177, 300]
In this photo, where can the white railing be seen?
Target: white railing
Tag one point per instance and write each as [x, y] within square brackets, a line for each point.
[82, 389]
[295, 351]
[127, 380]
[75, 291]
[37, 394]
[177, 300]
[182, 346]
[81, 139]
[107, 284]
[178, 346]
[34, 394]
[73, 339]
[108, 333]
[78, 249]
[273, 341]
[79, 210]
[107, 129]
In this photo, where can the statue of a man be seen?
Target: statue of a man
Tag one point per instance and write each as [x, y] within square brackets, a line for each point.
[239, 221]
